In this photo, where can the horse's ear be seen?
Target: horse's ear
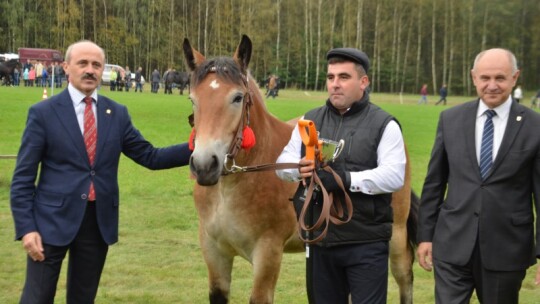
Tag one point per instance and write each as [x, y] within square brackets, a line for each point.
[193, 57]
[243, 52]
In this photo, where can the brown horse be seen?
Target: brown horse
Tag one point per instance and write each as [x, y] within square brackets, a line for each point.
[250, 214]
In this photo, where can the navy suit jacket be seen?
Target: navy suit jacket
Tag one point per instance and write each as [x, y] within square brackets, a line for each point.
[52, 144]
[459, 210]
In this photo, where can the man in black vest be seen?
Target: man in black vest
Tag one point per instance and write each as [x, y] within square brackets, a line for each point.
[352, 258]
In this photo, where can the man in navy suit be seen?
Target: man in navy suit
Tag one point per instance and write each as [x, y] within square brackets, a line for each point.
[476, 220]
[74, 205]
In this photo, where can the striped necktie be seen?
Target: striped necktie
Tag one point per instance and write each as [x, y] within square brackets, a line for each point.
[486, 149]
[90, 139]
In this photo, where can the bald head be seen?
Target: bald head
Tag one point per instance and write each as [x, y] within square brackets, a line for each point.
[83, 44]
[500, 53]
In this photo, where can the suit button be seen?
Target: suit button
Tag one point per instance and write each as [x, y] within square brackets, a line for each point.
[84, 196]
[476, 214]
[92, 172]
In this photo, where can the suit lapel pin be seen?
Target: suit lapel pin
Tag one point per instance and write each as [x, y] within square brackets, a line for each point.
[108, 111]
[518, 118]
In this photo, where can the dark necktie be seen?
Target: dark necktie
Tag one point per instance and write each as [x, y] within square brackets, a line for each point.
[486, 149]
[90, 139]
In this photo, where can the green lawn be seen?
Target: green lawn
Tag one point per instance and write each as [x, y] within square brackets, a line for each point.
[158, 259]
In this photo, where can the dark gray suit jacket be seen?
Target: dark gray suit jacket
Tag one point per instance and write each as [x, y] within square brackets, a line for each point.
[457, 207]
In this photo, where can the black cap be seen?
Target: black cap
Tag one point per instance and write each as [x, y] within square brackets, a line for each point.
[352, 54]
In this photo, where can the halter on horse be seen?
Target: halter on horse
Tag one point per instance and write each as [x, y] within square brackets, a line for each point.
[249, 214]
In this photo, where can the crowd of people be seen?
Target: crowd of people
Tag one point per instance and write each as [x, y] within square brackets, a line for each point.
[37, 73]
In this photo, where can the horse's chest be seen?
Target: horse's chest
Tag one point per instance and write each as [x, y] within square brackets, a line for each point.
[229, 221]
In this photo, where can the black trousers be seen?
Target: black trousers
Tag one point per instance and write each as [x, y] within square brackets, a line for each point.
[360, 270]
[455, 284]
[87, 254]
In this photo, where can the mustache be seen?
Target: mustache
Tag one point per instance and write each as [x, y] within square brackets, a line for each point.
[89, 76]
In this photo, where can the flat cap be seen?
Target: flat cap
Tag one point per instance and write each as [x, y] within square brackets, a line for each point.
[352, 54]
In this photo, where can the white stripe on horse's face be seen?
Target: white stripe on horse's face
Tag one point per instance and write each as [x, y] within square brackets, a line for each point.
[214, 84]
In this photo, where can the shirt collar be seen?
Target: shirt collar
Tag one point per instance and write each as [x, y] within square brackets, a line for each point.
[77, 96]
[502, 111]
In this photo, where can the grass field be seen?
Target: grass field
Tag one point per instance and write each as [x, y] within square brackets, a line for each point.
[158, 259]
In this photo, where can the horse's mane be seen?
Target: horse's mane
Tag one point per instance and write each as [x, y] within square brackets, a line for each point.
[224, 67]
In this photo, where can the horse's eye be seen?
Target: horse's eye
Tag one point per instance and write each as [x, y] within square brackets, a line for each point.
[238, 99]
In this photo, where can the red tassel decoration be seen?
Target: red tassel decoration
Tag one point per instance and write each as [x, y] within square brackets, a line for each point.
[248, 138]
[191, 142]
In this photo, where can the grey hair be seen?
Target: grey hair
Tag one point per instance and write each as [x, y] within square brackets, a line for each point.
[511, 56]
[70, 49]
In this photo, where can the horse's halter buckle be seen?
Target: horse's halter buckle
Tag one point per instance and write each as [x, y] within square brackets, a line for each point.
[230, 167]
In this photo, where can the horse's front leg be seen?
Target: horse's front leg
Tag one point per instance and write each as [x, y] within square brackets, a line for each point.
[267, 256]
[219, 265]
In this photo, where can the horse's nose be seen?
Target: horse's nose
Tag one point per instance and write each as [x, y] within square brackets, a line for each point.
[207, 170]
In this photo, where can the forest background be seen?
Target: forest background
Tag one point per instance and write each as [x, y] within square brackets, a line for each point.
[410, 42]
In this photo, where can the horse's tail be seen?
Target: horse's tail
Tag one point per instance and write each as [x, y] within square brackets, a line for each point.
[412, 220]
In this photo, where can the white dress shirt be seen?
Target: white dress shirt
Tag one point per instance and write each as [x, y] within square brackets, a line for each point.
[499, 125]
[387, 177]
[77, 97]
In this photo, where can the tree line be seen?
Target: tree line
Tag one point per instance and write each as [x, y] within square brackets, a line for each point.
[409, 42]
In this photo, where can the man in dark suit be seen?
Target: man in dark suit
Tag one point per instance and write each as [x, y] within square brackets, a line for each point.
[476, 221]
[74, 205]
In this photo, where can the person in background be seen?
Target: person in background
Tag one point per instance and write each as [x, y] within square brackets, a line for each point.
[39, 73]
[31, 76]
[353, 257]
[127, 78]
[443, 92]
[423, 94]
[16, 76]
[482, 190]
[27, 65]
[74, 141]
[112, 79]
[44, 76]
[156, 78]
[138, 80]
[25, 77]
[58, 74]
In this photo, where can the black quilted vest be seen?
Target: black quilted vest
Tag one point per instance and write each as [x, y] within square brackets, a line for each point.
[361, 127]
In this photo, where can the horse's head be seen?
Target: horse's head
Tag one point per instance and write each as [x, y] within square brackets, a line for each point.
[221, 98]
